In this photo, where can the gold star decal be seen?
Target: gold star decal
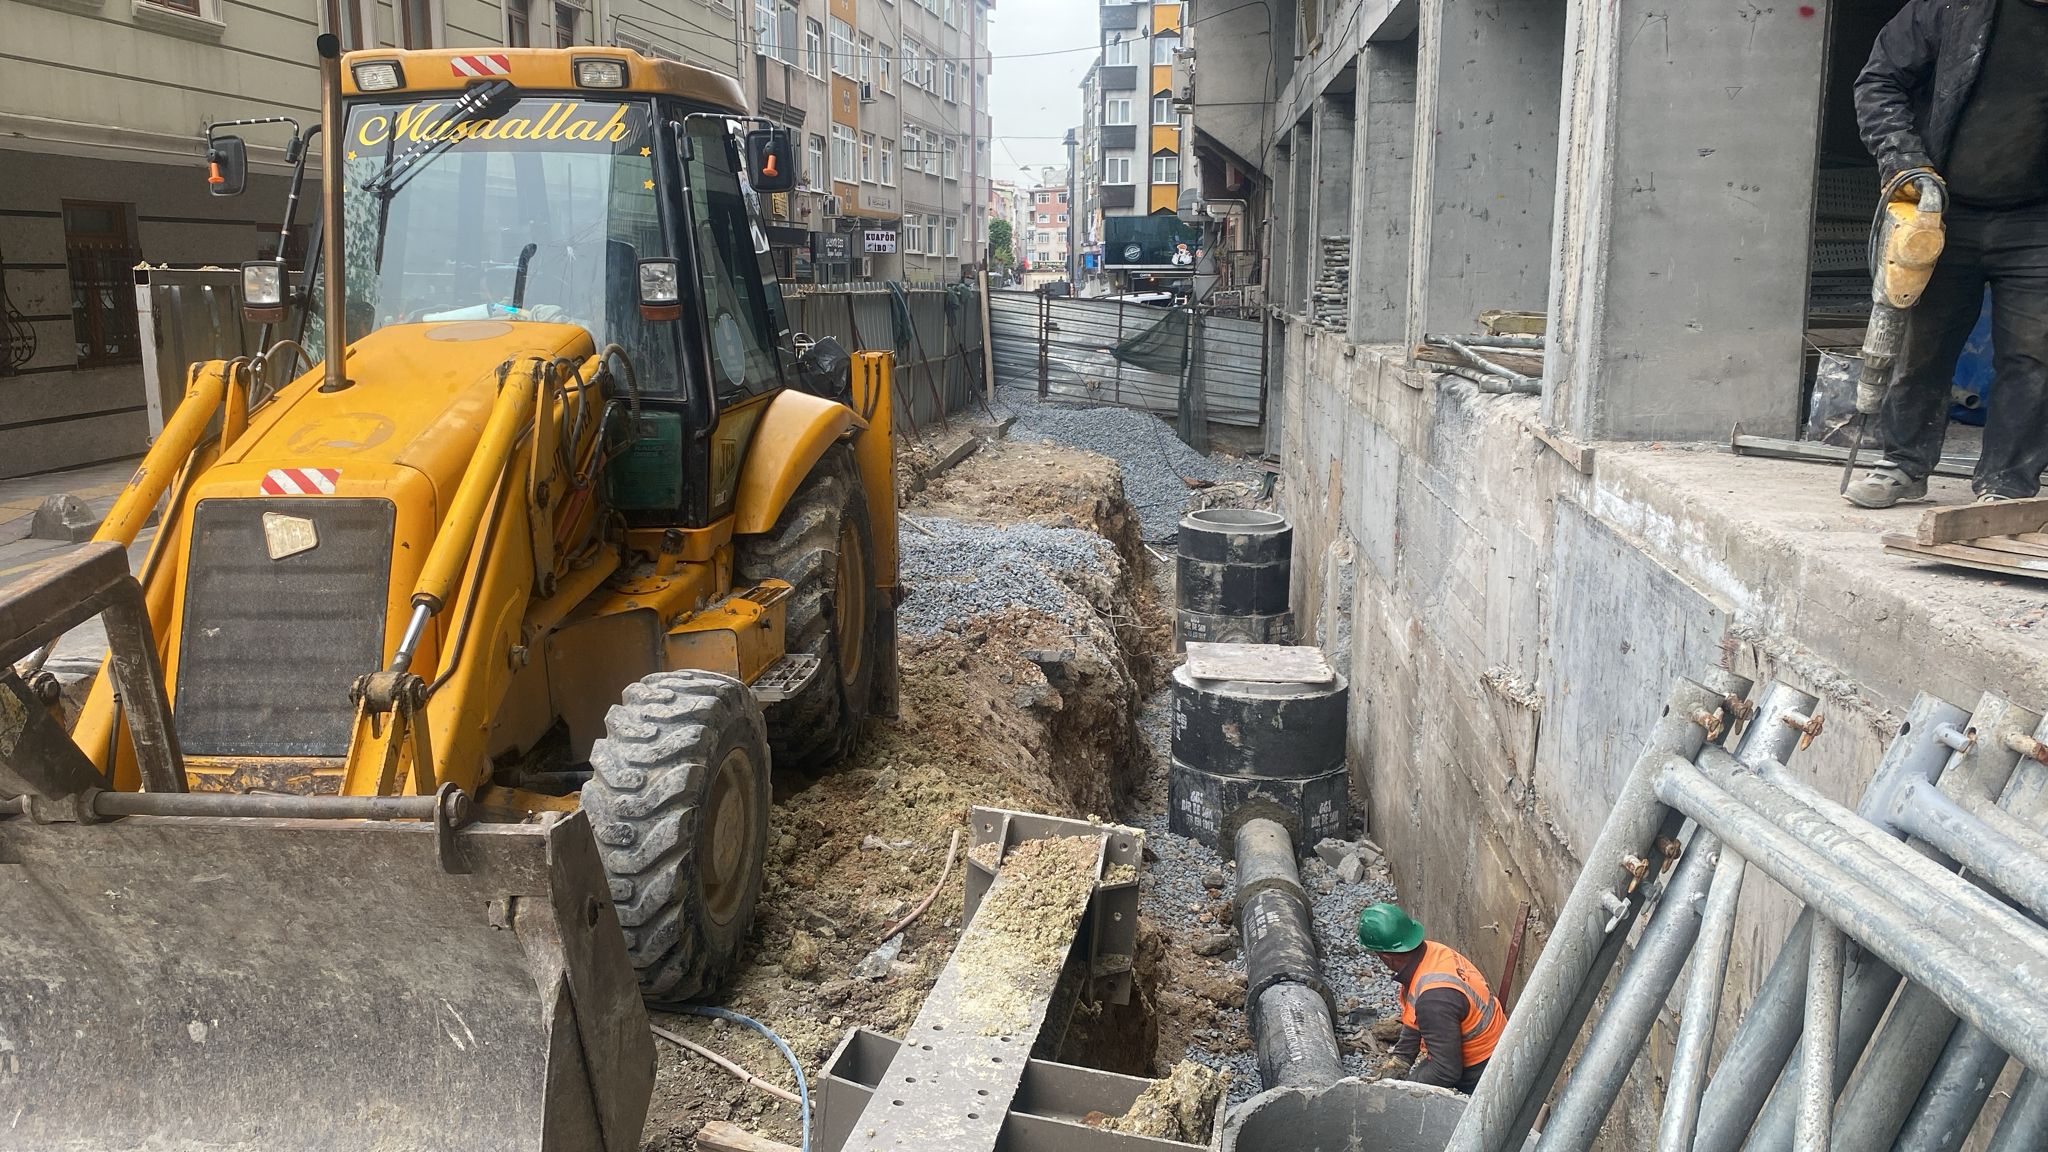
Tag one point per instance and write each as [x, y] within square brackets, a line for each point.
[351, 153]
[647, 184]
[645, 152]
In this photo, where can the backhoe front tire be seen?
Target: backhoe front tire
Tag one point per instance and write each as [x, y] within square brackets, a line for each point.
[823, 547]
[678, 800]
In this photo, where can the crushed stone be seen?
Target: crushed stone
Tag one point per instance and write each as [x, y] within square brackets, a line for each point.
[1157, 466]
[955, 572]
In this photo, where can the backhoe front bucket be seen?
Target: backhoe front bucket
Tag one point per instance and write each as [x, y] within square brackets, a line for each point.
[251, 982]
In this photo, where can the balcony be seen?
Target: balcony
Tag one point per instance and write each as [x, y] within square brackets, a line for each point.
[1119, 136]
[1121, 17]
[1119, 196]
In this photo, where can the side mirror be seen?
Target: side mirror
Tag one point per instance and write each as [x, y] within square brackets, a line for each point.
[263, 290]
[771, 163]
[660, 290]
[227, 165]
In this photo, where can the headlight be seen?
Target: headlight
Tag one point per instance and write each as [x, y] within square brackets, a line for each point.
[379, 76]
[263, 283]
[600, 73]
[658, 282]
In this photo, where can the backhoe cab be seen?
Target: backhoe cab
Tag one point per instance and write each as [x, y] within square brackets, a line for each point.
[480, 604]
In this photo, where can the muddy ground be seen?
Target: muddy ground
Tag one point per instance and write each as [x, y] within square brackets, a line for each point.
[1058, 711]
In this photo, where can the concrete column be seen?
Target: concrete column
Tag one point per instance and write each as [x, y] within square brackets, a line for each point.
[1384, 173]
[1488, 80]
[1330, 210]
[1684, 212]
[1301, 218]
[1280, 203]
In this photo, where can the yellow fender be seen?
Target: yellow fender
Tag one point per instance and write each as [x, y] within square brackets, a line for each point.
[794, 433]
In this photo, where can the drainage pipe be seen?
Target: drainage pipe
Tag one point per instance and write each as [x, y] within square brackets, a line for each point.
[1702, 1008]
[1296, 1038]
[1517, 1070]
[1645, 983]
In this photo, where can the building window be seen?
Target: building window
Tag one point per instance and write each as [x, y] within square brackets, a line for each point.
[867, 59]
[1162, 110]
[566, 18]
[1116, 170]
[842, 47]
[816, 174]
[843, 161]
[946, 11]
[980, 88]
[950, 169]
[888, 163]
[1162, 48]
[355, 31]
[1116, 110]
[786, 44]
[882, 70]
[1063, 217]
[931, 73]
[910, 63]
[951, 92]
[910, 234]
[764, 27]
[931, 234]
[416, 23]
[867, 157]
[99, 247]
[1166, 170]
[814, 48]
[952, 239]
[1117, 51]
[518, 23]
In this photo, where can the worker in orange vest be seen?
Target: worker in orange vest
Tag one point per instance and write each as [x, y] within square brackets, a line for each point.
[1450, 1020]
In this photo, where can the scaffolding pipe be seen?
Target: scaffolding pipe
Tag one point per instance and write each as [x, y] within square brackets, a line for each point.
[2018, 868]
[1515, 1073]
[1867, 986]
[1979, 989]
[1942, 900]
[1639, 994]
[1955, 1093]
[1894, 1070]
[1769, 1030]
[1823, 1018]
[2024, 1127]
[1702, 1008]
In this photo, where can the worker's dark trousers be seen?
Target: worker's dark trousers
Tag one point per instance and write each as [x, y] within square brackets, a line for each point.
[2008, 250]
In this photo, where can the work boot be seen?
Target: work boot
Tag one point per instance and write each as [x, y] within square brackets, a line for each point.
[1993, 498]
[1884, 486]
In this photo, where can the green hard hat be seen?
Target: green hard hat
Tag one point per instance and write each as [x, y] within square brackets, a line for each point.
[1385, 928]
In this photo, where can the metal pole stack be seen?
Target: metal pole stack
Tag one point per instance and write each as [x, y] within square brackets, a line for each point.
[1935, 879]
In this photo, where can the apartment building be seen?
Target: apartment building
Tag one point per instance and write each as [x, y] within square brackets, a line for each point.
[1087, 238]
[890, 98]
[1046, 220]
[103, 108]
[1130, 92]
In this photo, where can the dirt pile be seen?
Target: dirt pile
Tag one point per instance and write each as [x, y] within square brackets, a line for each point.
[1015, 707]
[1180, 1107]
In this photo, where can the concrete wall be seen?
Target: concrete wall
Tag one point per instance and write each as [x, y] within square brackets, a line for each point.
[1385, 170]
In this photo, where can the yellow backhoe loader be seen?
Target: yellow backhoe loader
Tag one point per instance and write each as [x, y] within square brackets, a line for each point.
[436, 726]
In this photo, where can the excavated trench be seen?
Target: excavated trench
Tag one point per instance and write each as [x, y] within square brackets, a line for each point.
[1035, 646]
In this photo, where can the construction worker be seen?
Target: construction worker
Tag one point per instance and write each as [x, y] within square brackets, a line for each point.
[1957, 89]
[1449, 1018]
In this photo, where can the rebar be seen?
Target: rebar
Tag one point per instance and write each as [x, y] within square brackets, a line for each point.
[1702, 1008]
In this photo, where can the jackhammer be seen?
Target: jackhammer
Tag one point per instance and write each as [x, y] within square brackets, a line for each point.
[1906, 238]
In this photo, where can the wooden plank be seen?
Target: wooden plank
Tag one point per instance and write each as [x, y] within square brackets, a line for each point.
[1579, 456]
[719, 1136]
[1982, 559]
[1515, 360]
[2015, 545]
[1970, 521]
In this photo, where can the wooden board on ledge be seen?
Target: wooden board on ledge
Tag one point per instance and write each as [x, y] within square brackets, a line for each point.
[2020, 554]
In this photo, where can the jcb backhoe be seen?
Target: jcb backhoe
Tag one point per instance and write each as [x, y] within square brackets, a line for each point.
[436, 726]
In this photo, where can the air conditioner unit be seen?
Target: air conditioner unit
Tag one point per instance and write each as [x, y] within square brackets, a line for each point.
[867, 92]
[832, 207]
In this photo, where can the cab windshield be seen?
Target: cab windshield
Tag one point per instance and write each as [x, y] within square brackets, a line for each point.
[540, 212]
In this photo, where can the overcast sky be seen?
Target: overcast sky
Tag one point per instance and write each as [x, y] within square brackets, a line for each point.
[1034, 99]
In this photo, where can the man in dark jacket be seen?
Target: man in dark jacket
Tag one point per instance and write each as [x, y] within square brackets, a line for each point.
[1450, 1021]
[1959, 89]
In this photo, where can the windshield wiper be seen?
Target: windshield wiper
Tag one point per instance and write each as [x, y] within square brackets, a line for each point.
[486, 101]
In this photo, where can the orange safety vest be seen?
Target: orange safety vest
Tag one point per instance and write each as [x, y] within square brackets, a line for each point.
[1443, 967]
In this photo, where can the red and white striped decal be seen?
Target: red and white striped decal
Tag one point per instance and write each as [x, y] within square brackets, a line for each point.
[492, 65]
[300, 481]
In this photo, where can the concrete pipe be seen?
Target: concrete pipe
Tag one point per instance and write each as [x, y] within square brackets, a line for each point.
[1275, 731]
[1191, 627]
[1295, 1038]
[1233, 571]
[1348, 1116]
[1210, 807]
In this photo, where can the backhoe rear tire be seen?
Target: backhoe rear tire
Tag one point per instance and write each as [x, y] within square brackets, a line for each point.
[678, 799]
[822, 546]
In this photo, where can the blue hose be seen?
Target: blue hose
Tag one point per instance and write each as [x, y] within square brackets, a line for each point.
[803, 1090]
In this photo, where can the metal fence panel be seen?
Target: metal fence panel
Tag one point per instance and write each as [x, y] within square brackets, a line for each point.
[939, 368]
[1066, 344]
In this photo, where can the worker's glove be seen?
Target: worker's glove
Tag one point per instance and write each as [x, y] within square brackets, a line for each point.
[1394, 1068]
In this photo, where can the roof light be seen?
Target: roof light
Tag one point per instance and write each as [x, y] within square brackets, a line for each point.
[600, 73]
[379, 76]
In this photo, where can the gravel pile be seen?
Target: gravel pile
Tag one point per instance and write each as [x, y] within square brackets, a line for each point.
[1156, 464]
[955, 571]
